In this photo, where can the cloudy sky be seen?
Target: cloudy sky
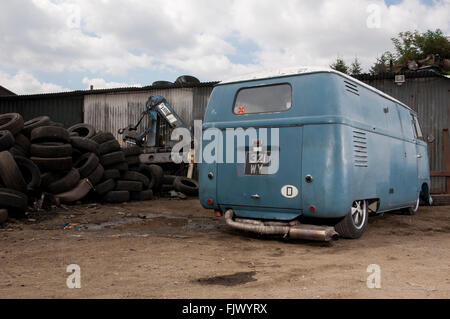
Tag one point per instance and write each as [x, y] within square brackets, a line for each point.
[59, 45]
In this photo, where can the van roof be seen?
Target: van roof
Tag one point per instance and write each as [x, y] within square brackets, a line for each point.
[278, 73]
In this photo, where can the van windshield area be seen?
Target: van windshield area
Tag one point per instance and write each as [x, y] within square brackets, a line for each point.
[263, 99]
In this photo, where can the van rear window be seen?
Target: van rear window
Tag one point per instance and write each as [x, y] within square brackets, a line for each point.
[263, 99]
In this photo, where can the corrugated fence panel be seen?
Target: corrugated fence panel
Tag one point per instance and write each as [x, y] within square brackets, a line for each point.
[66, 110]
[429, 97]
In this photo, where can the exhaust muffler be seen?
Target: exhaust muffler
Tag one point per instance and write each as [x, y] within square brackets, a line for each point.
[293, 230]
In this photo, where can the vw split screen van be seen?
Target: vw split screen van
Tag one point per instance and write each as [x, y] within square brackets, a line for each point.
[334, 150]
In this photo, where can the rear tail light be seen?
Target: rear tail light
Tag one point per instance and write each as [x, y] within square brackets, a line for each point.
[218, 213]
[210, 201]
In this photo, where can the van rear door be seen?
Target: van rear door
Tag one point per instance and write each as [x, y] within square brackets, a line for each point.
[269, 174]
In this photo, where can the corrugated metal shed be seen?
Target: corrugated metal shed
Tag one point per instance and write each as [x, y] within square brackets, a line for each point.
[112, 110]
[428, 94]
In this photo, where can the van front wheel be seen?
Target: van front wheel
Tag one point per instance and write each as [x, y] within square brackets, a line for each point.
[354, 224]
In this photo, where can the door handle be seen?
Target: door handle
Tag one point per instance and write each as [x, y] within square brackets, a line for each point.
[256, 196]
[419, 155]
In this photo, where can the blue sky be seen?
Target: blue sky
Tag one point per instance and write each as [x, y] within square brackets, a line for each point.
[59, 45]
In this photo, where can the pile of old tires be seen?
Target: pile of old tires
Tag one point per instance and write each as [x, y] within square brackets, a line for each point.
[180, 184]
[42, 157]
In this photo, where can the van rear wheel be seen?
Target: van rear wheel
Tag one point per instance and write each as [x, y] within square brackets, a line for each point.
[354, 224]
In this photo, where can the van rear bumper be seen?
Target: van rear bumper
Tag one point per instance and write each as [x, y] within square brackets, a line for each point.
[293, 229]
[254, 212]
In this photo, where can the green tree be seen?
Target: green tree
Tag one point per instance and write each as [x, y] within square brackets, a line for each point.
[339, 65]
[355, 67]
[383, 63]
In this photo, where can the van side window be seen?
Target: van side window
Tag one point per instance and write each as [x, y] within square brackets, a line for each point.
[417, 130]
[263, 99]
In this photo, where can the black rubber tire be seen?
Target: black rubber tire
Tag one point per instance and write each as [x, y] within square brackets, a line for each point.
[96, 176]
[30, 172]
[49, 134]
[122, 167]
[66, 183]
[132, 151]
[13, 201]
[86, 164]
[12, 122]
[33, 123]
[105, 187]
[117, 197]
[10, 173]
[186, 186]
[74, 134]
[129, 186]
[187, 79]
[168, 179]
[84, 145]
[142, 196]
[23, 142]
[346, 227]
[110, 146]
[48, 178]
[158, 175]
[53, 164]
[51, 150]
[112, 158]
[133, 161]
[162, 83]
[16, 150]
[6, 140]
[103, 137]
[84, 130]
[111, 174]
[3, 216]
[57, 124]
[136, 177]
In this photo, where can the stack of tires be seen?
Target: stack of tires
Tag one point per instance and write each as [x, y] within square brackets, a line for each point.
[180, 184]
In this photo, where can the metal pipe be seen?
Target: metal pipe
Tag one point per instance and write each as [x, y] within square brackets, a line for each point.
[291, 230]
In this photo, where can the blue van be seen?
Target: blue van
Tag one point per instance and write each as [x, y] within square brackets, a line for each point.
[345, 150]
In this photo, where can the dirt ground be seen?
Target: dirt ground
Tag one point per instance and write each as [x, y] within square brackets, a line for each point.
[176, 249]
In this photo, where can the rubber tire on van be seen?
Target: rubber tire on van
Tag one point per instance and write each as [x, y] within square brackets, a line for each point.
[34, 123]
[86, 164]
[66, 183]
[51, 150]
[131, 151]
[129, 186]
[49, 134]
[112, 158]
[12, 122]
[117, 197]
[6, 140]
[84, 130]
[142, 196]
[55, 164]
[186, 186]
[103, 137]
[84, 145]
[10, 173]
[110, 146]
[96, 176]
[13, 200]
[30, 172]
[346, 228]
[136, 177]
[105, 187]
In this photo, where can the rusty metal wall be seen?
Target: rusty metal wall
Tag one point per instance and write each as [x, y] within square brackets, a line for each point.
[430, 98]
[113, 111]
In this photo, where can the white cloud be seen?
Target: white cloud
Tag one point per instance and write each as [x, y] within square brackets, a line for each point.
[99, 83]
[99, 38]
[26, 83]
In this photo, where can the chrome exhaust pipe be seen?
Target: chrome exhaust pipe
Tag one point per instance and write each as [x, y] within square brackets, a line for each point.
[290, 230]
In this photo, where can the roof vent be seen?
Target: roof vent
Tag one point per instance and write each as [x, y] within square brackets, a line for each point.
[352, 88]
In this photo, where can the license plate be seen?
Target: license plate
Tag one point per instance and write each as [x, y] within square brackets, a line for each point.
[257, 163]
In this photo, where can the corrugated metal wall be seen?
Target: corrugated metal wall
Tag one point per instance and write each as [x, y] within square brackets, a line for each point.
[64, 109]
[430, 98]
[113, 111]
